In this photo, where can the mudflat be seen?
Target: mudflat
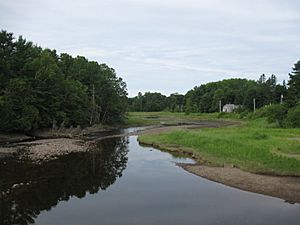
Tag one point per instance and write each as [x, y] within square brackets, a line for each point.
[287, 188]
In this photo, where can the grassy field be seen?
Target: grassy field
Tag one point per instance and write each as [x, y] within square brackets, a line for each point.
[156, 118]
[255, 146]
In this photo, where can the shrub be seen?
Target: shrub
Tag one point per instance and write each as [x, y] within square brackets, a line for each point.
[240, 109]
[274, 113]
[261, 112]
[221, 115]
[293, 117]
[244, 114]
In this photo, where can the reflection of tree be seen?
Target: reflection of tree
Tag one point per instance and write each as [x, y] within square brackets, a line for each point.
[47, 184]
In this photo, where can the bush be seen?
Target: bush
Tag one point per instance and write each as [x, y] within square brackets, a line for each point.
[259, 113]
[240, 109]
[293, 117]
[276, 114]
[273, 113]
[244, 114]
[221, 115]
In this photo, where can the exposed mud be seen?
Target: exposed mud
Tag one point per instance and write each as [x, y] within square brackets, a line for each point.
[287, 188]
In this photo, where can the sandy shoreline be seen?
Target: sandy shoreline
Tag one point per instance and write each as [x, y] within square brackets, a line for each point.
[286, 188]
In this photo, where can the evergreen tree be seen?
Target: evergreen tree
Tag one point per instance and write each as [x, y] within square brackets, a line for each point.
[294, 86]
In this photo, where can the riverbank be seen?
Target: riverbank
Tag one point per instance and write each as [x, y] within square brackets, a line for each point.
[47, 144]
[271, 166]
[287, 188]
[39, 151]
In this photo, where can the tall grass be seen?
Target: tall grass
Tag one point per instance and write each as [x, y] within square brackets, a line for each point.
[255, 147]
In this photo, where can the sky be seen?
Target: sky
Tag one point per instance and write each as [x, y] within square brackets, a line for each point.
[166, 46]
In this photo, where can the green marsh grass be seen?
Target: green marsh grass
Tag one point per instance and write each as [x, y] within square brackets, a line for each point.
[155, 118]
[255, 146]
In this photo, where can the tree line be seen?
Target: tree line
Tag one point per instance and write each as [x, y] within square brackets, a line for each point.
[206, 97]
[155, 102]
[41, 89]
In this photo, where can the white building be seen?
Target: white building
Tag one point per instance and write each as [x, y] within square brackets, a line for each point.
[228, 108]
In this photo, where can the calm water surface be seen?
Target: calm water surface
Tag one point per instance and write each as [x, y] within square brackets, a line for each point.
[124, 183]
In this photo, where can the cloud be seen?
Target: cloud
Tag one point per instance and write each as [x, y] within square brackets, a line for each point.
[168, 46]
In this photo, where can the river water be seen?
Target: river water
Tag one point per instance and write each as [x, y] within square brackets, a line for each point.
[121, 182]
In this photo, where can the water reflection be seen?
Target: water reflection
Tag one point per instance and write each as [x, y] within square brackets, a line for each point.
[27, 189]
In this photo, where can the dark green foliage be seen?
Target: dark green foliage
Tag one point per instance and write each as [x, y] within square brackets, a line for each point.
[17, 107]
[293, 117]
[154, 102]
[176, 102]
[206, 97]
[149, 102]
[221, 115]
[274, 113]
[40, 89]
[294, 86]
[244, 114]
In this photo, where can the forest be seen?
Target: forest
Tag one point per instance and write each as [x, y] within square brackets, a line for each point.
[41, 89]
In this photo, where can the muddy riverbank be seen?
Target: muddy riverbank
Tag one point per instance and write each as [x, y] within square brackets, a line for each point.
[287, 188]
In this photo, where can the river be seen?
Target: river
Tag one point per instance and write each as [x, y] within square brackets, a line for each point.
[121, 182]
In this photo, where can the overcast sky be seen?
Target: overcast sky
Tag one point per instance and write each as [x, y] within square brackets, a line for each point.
[166, 45]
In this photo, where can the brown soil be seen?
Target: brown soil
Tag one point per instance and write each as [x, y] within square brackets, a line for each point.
[287, 188]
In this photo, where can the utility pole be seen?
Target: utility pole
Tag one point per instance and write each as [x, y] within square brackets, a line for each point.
[220, 105]
[254, 105]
